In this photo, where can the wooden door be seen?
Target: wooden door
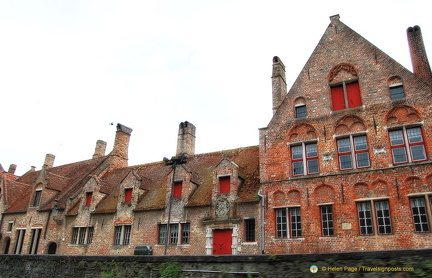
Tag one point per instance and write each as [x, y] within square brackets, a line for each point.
[222, 241]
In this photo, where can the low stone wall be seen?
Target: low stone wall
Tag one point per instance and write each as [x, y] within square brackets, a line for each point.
[398, 263]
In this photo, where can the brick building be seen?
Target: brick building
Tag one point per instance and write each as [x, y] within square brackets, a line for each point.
[343, 165]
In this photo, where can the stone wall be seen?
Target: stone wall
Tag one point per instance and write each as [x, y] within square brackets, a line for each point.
[400, 263]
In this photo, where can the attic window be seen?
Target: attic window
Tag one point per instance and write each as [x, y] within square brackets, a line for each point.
[128, 195]
[37, 197]
[224, 185]
[89, 196]
[300, 108]
[397, 92]
[345, 95]
[177, 190]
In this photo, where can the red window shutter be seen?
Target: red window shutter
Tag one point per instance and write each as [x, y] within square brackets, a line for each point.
[338, 99]
[353, 93]
[128, 195]
[178, 186]
[89, 198]
[224, 185]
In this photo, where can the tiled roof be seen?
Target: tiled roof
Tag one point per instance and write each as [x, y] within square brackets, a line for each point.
[155, 177]
[64, 179]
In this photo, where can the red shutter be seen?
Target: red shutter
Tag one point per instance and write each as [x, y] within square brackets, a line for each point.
[178, 186]
[224, 185]
[128, 195]
[338, 99]
[353, 93]
[89, 198]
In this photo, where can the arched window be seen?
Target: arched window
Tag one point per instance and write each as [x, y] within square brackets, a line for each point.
[300, 108]
[344, 87]
[396, 88]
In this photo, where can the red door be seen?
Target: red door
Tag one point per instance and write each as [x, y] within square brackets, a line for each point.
[222, 241]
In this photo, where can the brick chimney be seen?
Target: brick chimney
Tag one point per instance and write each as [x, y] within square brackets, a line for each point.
[279, 86]
[121, 142]
[99, 149]
[12, 169]
[186, 139]
[419, 60]
[49, 161]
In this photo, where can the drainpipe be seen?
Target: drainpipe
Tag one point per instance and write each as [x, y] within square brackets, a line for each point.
[173, 161]
[262, 223]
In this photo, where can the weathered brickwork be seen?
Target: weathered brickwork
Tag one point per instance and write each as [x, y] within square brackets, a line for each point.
[342, 55]
[343, 165]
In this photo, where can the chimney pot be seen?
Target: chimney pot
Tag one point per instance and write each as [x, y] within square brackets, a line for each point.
[99, 149]
[419, 60]
[49, 160]
[186, 139]
[121, 142]
[279, 86]
[12, 169]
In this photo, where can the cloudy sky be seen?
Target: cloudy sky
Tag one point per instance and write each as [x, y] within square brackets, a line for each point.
[68, 69]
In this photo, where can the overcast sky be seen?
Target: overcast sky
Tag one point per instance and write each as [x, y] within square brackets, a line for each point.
[68, 69]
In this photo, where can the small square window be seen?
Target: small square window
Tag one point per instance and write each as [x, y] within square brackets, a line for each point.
[300, 111]
[397, 92]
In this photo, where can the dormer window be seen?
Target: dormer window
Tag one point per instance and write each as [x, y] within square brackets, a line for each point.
[89, 197]
[128, 195]
[177, 190]
[37, 198]
[224, 185]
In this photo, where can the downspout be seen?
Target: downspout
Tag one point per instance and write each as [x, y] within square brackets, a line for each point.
[262, 223]
[169, 208]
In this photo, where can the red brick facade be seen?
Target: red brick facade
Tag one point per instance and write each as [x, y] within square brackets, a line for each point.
[343, 165]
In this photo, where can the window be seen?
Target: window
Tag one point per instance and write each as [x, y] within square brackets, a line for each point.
[250, 229]
[300, 111]
[397, 92]
[353, 152]
[178, 186]
[224, 185]
[288, 222]
[35, 236]
[327, 220]
[20, 241]
[185, 233]
[82, 235]
[128, 195]
[407, 145]
[178, 233]
[122, 235]
[305, 159]
[89, 196]
[9, 227]
[419, 208]
[37, 198]
[374, 223]
[345, 95]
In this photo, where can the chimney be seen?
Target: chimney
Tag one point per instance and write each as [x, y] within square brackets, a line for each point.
[419, 60]
[186, 139]
[279, 86]
[49, 161]
[100, 149]
[12, 169]
[121, 142]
